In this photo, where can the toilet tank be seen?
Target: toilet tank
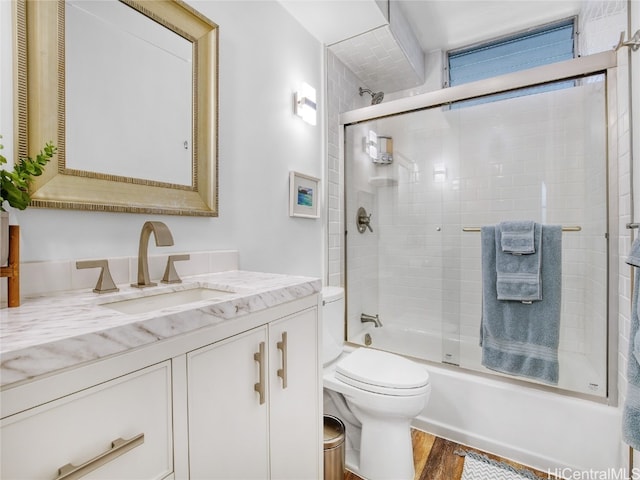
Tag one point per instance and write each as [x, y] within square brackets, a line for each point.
[333, 323]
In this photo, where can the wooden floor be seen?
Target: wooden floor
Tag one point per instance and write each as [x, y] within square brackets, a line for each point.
[434, 459]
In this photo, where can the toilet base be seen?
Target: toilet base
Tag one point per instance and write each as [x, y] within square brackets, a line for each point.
[378, 423]
[352, 461]
[381, 450]
[404, 471]
[386, 451]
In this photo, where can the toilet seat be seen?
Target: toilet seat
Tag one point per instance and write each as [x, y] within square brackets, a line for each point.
[382, 372]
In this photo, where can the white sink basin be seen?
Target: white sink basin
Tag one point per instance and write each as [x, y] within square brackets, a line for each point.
[159, 301]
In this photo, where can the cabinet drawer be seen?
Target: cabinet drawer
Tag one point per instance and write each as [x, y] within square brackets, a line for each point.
[81, 427]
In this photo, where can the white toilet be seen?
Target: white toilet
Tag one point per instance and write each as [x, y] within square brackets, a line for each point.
[376, 394]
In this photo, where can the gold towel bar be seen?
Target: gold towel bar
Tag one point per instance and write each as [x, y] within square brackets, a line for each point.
[564, 229]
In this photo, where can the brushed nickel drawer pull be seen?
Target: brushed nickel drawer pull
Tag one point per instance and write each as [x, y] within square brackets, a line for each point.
[282, 372]
[259, 357]
[119, 447]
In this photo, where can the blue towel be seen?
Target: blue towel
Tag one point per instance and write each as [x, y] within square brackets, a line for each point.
[631, 410]
[517, 237]
[521, 339]
[519, 276]
[634, 254]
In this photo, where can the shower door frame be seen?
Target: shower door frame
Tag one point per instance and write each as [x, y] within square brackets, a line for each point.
[600, 63]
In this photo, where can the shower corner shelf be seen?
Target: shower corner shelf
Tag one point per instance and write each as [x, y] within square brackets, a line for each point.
[382, 181]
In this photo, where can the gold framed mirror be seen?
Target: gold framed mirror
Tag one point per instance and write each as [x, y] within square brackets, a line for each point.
[43, 98]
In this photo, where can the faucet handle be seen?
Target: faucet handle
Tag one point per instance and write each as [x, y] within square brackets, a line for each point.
[363, 221]
[170, 274]
[105, 282]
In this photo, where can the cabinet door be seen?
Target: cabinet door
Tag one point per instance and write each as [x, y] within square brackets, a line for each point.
[228, 429]
[79, 430]
[294, 409]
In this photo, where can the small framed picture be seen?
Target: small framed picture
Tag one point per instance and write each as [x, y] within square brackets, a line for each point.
[304, 195]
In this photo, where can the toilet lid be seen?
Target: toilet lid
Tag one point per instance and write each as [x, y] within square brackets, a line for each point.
[381, 369]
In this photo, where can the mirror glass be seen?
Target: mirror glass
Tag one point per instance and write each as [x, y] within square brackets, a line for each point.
[122, 65]
[127, 90]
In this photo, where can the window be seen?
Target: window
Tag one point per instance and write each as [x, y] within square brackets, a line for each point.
[547, 44]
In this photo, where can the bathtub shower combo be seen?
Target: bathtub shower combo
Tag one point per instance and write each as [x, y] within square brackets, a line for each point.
[423, 174]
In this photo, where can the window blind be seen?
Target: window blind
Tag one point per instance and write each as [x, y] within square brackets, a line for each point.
[549, 44]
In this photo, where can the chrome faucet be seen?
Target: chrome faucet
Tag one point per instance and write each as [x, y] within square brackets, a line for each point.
[364, 318]
[163, 238]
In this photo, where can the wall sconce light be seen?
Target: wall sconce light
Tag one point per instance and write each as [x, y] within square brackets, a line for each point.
[305, 103]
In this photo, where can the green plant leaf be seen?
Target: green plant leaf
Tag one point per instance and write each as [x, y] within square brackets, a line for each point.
[14, 185]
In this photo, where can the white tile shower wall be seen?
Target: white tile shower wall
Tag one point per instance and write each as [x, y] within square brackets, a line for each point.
[412, 264]
[593, 247]
[387, 65]
[362, 247]
[554, 197]
[433, 65]
[342, 96]
[634, 116]
[601, 23]
[625, 235]
[407, 40]
[489, 169]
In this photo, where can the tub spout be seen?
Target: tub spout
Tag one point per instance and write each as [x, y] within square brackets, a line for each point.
[364, 318]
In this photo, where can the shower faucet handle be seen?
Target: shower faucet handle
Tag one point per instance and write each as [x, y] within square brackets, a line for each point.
[363, 220]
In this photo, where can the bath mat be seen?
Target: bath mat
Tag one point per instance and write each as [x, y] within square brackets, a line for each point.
[480, 467]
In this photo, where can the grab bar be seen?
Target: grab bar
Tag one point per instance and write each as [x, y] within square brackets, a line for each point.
[564, 229]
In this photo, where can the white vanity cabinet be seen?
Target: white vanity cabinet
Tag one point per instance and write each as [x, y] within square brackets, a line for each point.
[228, 427]
[253, 403]
[121, 429]
[184, 406]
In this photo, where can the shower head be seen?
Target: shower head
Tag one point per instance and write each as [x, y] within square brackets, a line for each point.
[376, 98]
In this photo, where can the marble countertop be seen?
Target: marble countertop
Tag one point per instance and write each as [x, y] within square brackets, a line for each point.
[53, 332]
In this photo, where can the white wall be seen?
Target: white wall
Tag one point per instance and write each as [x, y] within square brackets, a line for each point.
[264, 55]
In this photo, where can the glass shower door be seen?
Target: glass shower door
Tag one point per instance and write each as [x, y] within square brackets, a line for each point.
[447, 172]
